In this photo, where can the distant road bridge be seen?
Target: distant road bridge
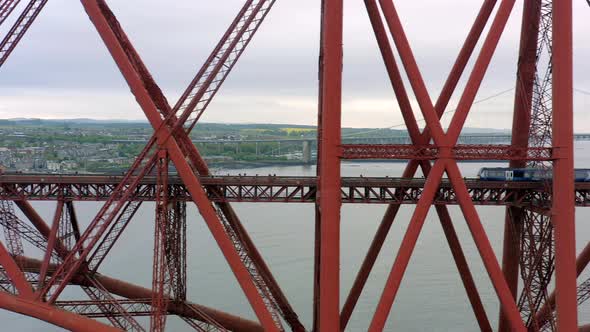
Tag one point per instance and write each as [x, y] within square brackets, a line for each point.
[464, 139]
[310, 144]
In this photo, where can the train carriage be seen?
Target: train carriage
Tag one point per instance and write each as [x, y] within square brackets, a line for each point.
[526, 174]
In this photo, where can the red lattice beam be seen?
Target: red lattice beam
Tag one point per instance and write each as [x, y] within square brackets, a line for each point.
[432, 152]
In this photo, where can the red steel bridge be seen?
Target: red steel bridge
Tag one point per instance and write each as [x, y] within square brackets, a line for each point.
[283, 189]
[535, 280]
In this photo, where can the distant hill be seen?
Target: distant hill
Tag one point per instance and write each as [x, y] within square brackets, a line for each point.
[224, 126]
[78, 120]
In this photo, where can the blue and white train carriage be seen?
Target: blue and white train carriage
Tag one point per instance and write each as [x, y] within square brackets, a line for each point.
[526, 174]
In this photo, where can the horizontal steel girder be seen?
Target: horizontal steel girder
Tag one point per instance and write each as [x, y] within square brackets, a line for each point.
[431, 152]
[254, 189]
[138, 293]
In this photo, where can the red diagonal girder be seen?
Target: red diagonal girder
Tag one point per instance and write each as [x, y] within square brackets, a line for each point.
[51, 242]
[445, 142]
[94, 231]
[108, 241]
[10, 224]
[203, 87]
[96, 14]
[51, 314]
[19, 28]
[6, 8]
[47, 239]
[546, 311]
[114, 311]
[420, 139]
[105, 302]
[197, 89]
[15, 274]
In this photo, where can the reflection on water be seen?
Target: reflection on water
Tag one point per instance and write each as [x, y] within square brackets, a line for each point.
[431, 297]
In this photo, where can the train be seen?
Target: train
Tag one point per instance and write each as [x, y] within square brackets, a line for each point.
[526, 174]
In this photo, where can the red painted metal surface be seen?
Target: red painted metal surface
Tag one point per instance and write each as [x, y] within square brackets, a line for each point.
[432, 152]
[327, 307]
[51, 314]
[160, 275]
[72, 255]
[546, 313]
[6, 8]
[138, 294]
[98, 12]
[270, 189]
[20, 27]
[520, 138]
[562, 211]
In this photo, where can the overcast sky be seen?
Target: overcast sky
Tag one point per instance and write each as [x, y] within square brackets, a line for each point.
[61, 69]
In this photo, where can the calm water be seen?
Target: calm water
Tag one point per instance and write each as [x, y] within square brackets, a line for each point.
[431, 297]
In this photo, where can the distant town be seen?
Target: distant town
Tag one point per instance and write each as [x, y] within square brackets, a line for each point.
[93, 146]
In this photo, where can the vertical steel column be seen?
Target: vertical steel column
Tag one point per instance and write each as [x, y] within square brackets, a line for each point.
[330, 67]
[176, 248]
[160, 273]
[563, 209]
[510, 257]
[316, 259]
[523, 98]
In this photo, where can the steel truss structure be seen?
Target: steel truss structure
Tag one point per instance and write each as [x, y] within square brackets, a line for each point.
[539, 239]
[280, 189]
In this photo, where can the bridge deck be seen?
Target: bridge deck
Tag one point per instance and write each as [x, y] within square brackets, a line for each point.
[283, 189]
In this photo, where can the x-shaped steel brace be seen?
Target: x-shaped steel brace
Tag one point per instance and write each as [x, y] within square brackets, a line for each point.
[165, 137]
[445, 141]
[420, 139]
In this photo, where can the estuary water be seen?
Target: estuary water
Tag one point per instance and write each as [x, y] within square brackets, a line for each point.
[431, 297]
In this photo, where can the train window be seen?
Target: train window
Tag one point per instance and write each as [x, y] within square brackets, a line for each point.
[497, 173]
[518, 173]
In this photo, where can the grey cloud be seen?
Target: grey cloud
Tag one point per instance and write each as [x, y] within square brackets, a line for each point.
[63, 52]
